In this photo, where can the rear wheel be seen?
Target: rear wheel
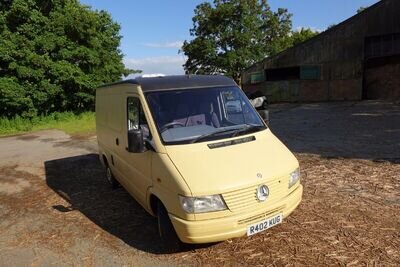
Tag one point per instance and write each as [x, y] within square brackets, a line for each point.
[110, 178]
[166, 229]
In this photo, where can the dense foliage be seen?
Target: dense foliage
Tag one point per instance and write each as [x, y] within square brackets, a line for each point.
[300, 36]
[53, 53]
[230, 35]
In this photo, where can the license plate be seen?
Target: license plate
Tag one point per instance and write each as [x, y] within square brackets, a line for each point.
[264, 225]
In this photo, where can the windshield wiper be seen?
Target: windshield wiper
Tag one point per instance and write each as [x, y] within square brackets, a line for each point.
[247, 129]
[204, 136]
[236, 131]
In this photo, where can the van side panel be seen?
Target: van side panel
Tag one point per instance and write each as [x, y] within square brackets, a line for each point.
[109, 126]
[132, 170]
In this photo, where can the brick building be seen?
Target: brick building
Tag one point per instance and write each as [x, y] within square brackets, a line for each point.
[356, 59]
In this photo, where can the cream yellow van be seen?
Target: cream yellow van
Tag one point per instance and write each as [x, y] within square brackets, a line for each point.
[195, 154]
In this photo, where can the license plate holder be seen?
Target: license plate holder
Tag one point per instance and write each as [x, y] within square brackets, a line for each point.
[263, 225]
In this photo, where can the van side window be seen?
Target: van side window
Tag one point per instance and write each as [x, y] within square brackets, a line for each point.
[133, 113]
[136, 117]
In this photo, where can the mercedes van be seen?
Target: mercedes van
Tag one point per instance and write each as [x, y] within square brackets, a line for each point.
[194, 153]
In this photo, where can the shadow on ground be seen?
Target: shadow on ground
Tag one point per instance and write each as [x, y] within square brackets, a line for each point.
[361, 130]
[80, 181]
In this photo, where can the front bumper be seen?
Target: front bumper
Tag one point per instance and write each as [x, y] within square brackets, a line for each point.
[214, 230]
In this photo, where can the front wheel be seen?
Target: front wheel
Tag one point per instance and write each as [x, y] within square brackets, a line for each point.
[166, 229]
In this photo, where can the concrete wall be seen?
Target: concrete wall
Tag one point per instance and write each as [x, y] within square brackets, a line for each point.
[340, 53]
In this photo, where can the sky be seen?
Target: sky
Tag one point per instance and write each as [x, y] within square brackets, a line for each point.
[153, 30]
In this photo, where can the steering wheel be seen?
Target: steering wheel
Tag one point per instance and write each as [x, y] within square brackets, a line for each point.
[171, 124]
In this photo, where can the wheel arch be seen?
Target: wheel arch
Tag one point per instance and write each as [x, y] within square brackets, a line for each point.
[153, 198]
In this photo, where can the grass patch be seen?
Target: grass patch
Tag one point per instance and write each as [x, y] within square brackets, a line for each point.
[74, 124]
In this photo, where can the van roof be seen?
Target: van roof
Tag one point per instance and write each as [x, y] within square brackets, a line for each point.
[177, 82]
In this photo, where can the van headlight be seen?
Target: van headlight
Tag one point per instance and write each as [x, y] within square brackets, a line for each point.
[294, 177]
[202, 204]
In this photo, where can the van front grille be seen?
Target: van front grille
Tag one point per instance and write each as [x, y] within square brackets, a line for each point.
[244, 199]
[261, 216]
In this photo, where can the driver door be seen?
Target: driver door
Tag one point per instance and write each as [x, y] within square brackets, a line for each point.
[137, 166]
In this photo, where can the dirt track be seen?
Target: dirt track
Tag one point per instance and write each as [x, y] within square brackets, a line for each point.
[56, 208]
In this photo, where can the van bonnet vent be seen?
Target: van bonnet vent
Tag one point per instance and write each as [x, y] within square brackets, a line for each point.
[232, 142]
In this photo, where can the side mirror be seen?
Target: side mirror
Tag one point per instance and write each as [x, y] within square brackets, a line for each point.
[264, 115]
[136, 141]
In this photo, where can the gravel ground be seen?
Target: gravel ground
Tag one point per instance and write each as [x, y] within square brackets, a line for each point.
[56, 208]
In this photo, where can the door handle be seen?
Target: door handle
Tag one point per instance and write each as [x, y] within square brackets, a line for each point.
[117, 141]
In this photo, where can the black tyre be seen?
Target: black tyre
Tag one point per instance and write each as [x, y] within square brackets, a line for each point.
[111, 179]
[166, 230]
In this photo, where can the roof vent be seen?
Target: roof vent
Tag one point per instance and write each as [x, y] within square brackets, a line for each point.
[155, 75]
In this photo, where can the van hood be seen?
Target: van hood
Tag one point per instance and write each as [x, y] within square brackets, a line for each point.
[226, 168]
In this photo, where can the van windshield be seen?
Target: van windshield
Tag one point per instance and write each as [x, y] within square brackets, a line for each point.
[204, 114]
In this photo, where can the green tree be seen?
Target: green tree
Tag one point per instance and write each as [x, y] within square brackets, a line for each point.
[230, 35]
[53, 53]
[361, 9]
[300, 36]
[331, 26]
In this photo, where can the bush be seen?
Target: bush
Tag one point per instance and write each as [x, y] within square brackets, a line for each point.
[83, 123]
